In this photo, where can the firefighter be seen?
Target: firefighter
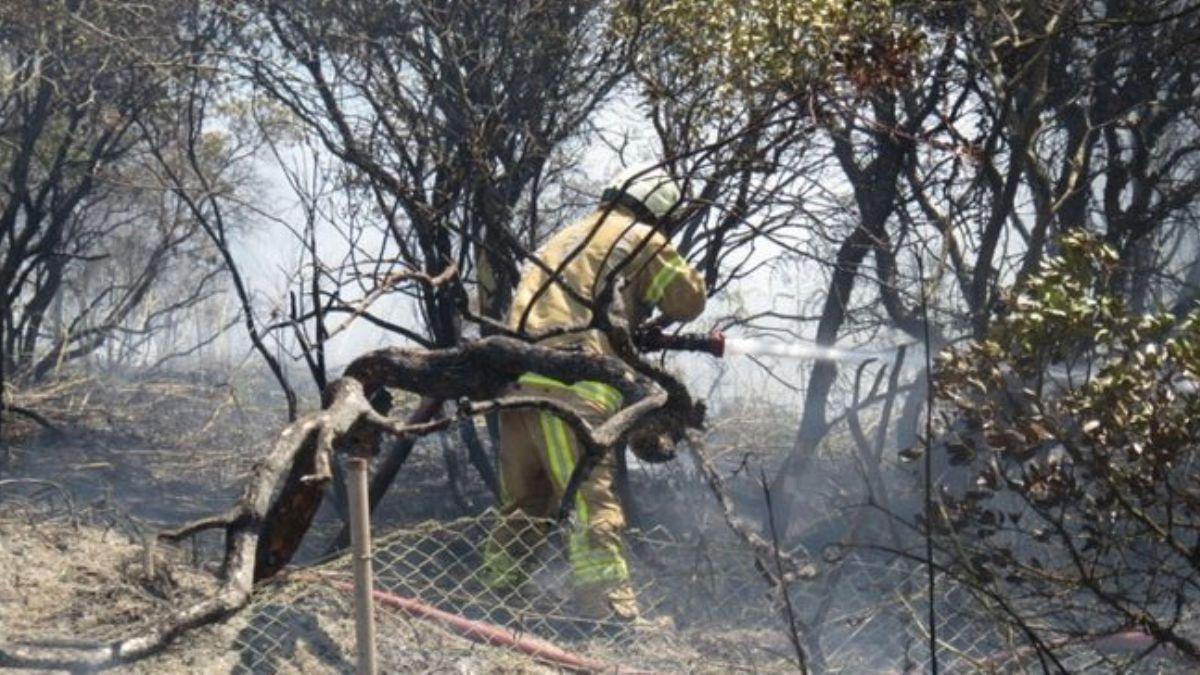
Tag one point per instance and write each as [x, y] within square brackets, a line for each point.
[625, 241]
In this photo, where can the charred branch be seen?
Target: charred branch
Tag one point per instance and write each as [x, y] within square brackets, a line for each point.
[476, 374]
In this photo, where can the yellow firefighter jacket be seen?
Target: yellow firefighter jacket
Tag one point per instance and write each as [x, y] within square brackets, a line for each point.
[597, 249]
[537, 451]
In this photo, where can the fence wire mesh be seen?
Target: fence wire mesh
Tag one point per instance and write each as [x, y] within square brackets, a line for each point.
[714, 613]
[699, 603]
[710, 608]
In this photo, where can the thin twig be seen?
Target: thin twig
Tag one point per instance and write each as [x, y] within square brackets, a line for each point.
[793, 630]
[763, 551]
[35, 416]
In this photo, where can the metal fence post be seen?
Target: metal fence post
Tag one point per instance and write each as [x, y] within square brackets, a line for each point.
[364, 583]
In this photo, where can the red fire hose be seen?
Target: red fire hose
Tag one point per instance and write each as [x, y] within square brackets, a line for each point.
[486, 633]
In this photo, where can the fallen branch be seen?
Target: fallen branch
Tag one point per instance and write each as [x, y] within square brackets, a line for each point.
[264, 529]
[389, 465]
[224, 520]
[479, 370]
[46, 486]
[32, 415]
[763, 551]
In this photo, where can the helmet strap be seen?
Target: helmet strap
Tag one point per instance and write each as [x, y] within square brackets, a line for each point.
[624, 200]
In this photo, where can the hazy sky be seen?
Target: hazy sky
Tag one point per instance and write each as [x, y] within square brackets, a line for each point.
[269, 254]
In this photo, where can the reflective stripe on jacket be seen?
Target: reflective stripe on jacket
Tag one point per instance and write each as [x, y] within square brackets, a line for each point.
[609, 246]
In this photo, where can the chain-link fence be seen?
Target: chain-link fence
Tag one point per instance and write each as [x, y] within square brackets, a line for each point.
[706, 607]
[710, 610]
[709, 607]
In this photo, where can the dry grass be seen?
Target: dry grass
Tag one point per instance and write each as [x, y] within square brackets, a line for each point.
[70, 578]
[71, 581]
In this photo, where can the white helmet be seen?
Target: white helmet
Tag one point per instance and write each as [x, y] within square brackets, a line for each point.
[646, 184]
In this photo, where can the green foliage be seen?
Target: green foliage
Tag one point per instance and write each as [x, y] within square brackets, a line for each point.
[1132, 391]
[1080, 423]
[776, 45]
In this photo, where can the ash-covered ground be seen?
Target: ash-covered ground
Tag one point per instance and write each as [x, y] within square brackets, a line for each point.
[77, 504]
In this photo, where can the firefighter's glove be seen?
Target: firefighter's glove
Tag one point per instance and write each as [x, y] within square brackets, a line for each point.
[649, 338]
[652, 447]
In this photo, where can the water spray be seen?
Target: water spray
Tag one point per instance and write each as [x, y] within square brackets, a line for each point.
[717, 344]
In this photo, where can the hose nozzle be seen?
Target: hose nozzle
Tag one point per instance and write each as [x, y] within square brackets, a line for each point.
[653, 339]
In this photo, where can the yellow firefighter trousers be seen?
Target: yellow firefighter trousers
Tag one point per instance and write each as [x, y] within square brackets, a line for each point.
[538, 452]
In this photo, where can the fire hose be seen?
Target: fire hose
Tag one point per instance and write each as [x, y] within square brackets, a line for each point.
[654, 339]
[486, 633]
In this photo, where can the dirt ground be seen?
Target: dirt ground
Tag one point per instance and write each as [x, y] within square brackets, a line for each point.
[79, 574]
[75, 508]
[71, 581]
[79, 579]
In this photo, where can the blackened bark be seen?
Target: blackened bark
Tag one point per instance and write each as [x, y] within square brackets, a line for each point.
[813, 425]
[394, 455]
[479, 458]
[875, 191]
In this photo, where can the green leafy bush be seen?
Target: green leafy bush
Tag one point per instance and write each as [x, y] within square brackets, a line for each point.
[1079, 424]
[777, 45]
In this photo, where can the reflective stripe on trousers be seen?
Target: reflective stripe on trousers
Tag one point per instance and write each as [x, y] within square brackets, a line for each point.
[599, 393]
[590, 564]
